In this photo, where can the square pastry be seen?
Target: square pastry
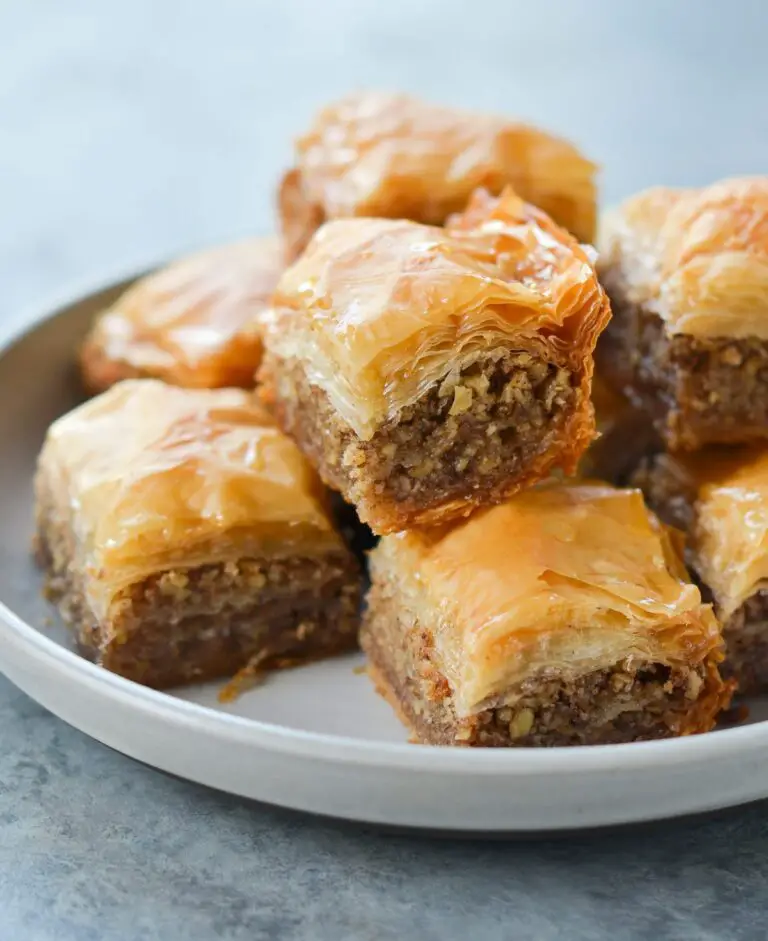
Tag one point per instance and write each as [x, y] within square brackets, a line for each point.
[687, 274]
[428, 371]
[184, 537]
[563, 617]
[719, 497]
[193, 323]
[395, 157]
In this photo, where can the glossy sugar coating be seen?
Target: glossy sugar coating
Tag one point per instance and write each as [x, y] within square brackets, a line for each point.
[153, 476]
[194, 323]
[568, 578]
[394, 156]
[379, 309]
[696, 257]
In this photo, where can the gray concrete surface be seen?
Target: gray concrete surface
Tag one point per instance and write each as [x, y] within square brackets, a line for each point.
[131, 131]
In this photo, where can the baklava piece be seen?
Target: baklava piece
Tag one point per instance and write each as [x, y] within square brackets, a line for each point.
[193, 324]
[687, 274]
[427, 371]
[563, 617]
[625, 436]
[719, 496]
[185, 537]
[392, 156]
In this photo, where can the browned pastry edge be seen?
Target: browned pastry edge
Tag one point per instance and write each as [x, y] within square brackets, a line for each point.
[206, 622]
[525, 418]
[658, 701]
[698, 391]
[745, 632]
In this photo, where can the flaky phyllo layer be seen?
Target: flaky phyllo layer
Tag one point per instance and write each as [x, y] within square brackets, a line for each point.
[195, 322]
[378, 311]
[728, 488]
[698, 258]
[148, 476]
[560, 581]
[395, 157]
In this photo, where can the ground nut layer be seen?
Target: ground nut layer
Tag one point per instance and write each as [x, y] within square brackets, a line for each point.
[208, 622]
[473, 440]
[628, 703]
[699, 391]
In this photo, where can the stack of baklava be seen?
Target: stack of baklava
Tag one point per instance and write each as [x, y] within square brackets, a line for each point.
[428, 354]
[687, 348]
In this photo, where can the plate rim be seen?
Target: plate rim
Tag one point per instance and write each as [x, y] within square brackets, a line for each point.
[579, 759]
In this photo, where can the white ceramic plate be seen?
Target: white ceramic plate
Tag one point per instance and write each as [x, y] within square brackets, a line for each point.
[315, 738]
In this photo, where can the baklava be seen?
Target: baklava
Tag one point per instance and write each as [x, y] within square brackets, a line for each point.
[193, 323]
[719, 497]
[185, 537]
[687, 274]
[563, 617]
[430, 370]
[395, 157]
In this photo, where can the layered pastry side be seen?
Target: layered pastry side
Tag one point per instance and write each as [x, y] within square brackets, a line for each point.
[719, 497]
[395, 157]
[193, 323]
[563, 617]
[184, 537]
[427, 371]
[625, 436]
[687, 274]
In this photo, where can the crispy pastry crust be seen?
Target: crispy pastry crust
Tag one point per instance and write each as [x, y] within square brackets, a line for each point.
[193, 323]
[157, 473]
[427, 371]
[392, 156]
[191, 625]
[575, 574]
[697, 392]
[687, 274]
[630, 702]
[548, 621]
[719, 497]
[182, 534]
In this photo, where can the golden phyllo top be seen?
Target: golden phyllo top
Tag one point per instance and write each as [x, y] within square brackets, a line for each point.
[572, 577]
[696, 257]
[195, 322]
[153, 475]
[390, 155]
[380, 309]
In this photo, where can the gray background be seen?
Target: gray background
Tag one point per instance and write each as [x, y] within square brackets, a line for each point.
[133, 130]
